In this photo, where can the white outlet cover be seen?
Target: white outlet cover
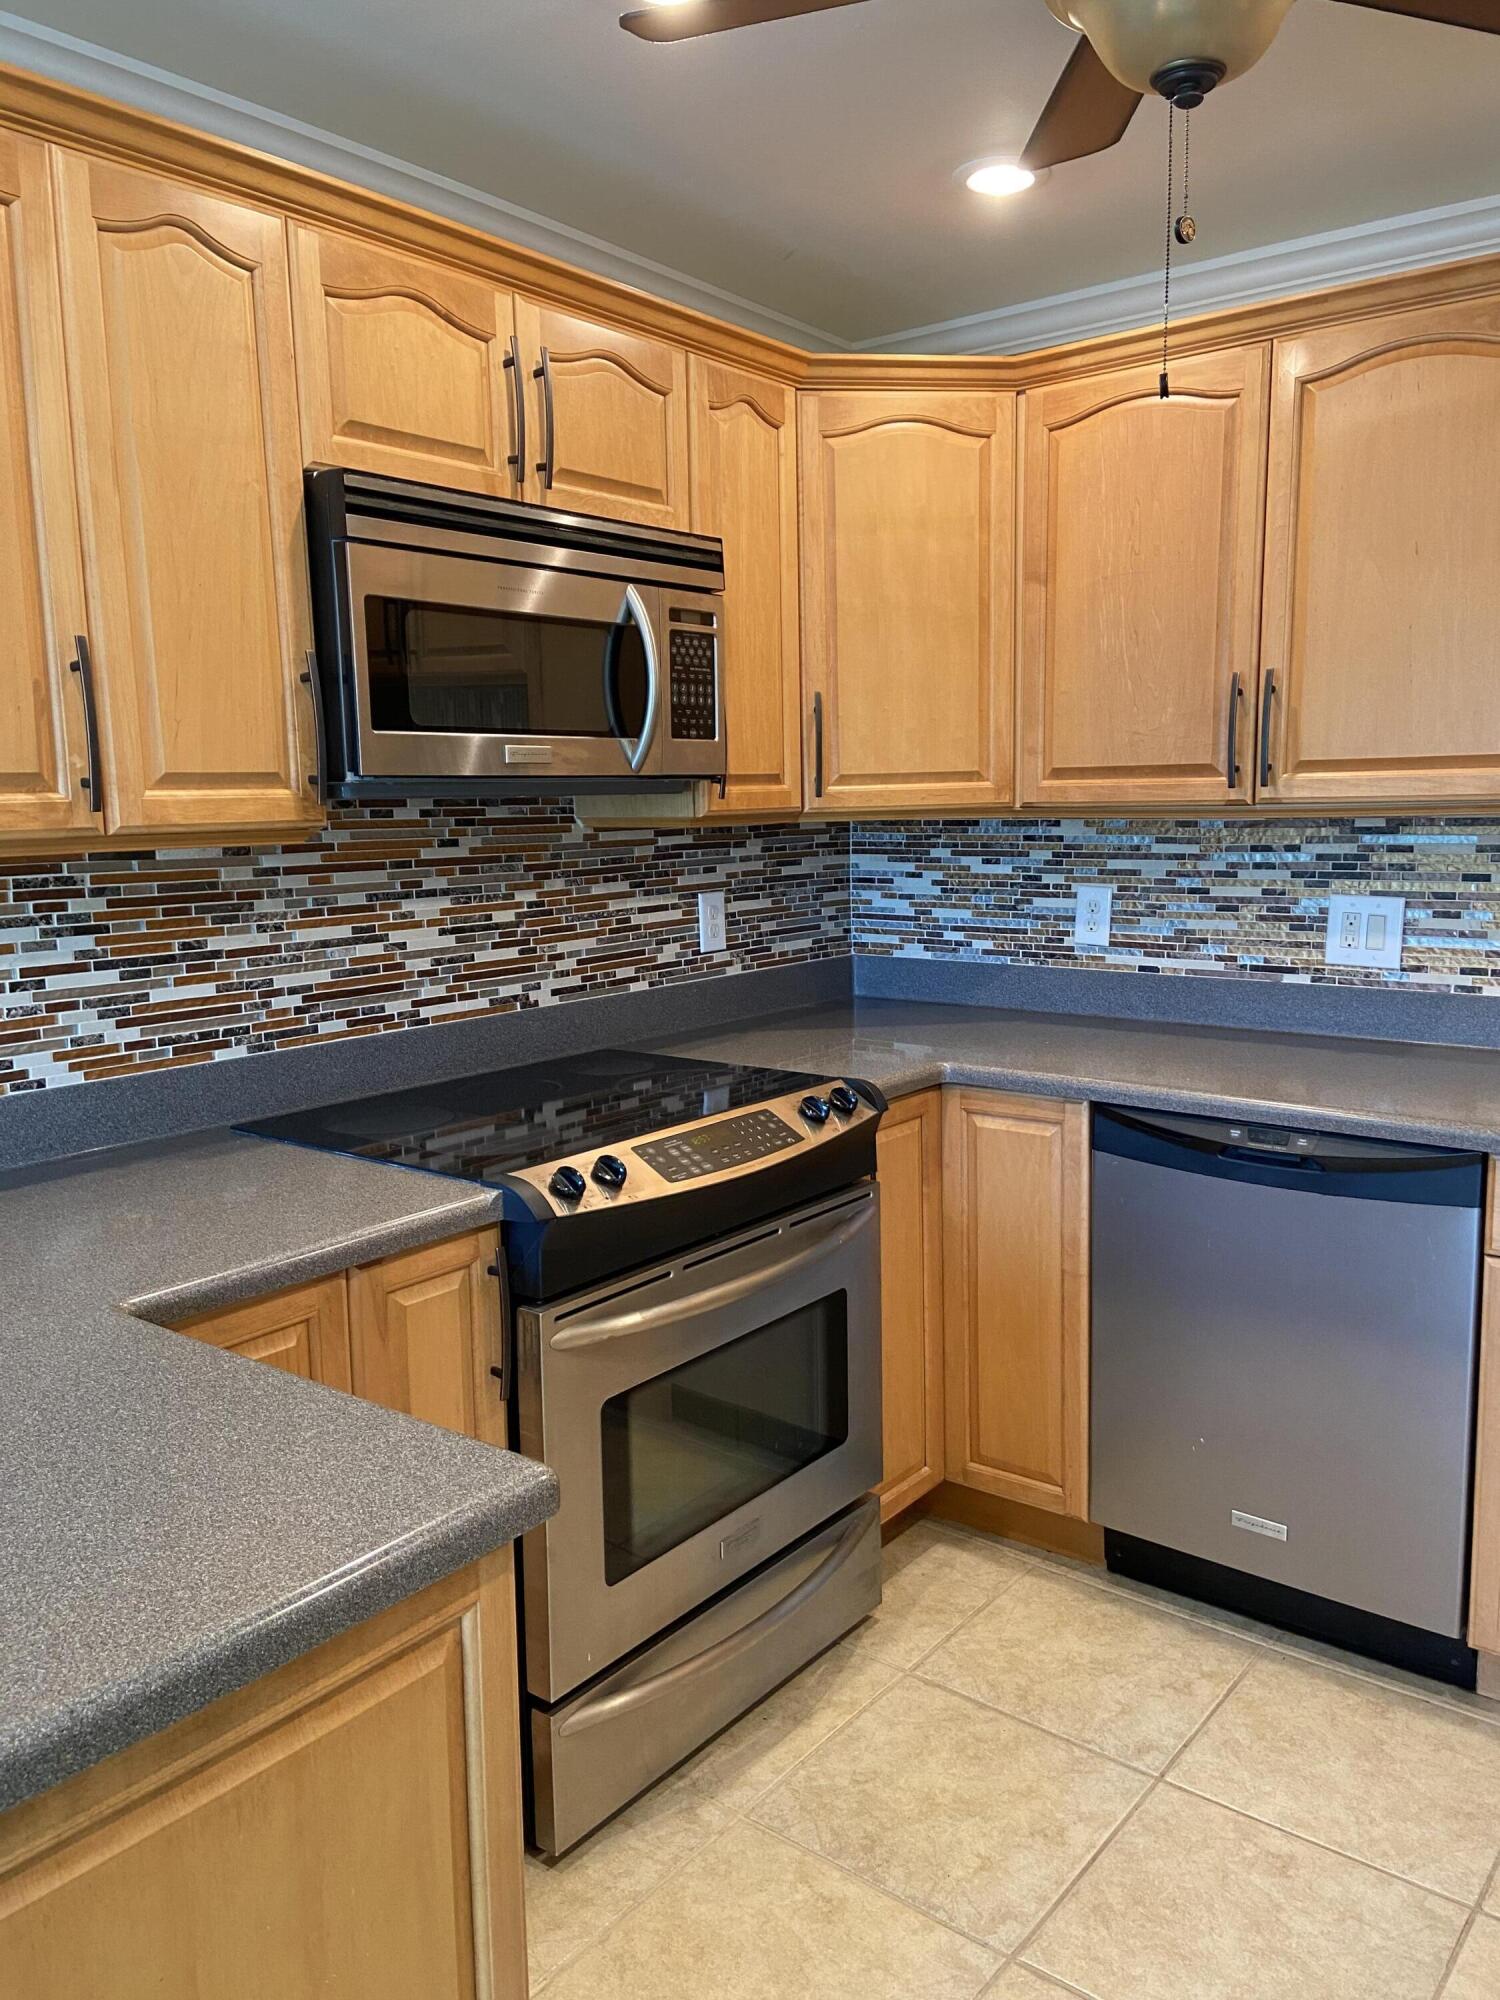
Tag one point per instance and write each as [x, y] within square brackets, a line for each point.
[1365, 930]
[713, 929]
[1091, 922]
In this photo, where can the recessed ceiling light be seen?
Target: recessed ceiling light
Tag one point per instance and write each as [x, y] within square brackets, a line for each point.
[996, 177]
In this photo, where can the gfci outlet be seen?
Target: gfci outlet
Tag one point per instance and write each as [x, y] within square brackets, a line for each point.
[713, 928]
[1365, 930]
[1091, 924]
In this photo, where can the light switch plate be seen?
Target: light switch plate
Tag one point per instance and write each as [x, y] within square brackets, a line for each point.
[1365, 930]
[713, 930]
[1091, 923]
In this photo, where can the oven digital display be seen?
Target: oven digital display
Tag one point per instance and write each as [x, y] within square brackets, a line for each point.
[713, 1149]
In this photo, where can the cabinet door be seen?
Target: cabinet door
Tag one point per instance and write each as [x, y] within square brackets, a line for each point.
[744, 441]
[908, 552]
[1141, 528]
[305, 1331]
[405, 367]
[1015, 1267]
[910, 1150]
[185, 419]
[43, 737]
[614, 430]
[1382, 591]
[425, 1331]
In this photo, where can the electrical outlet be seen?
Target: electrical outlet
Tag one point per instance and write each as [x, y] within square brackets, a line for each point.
[1365, 930]
[1091, 923]
[713, 928]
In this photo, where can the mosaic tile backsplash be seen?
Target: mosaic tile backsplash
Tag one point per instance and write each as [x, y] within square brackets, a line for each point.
[1190, 897]
[391, 919]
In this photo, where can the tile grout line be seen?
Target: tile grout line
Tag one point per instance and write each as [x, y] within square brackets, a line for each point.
[1475, 1917]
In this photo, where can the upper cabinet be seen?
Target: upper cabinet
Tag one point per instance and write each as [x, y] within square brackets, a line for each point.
[907, 559]
[179, 347]
[607, 430]
[44, 771]
[406, 367]
[1382, 587]
[744, 450]
[1141, 585]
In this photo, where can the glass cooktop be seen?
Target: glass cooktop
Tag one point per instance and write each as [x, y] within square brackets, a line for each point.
[480, 1127]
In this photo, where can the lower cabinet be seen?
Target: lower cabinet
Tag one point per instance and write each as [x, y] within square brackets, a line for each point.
[347, 1828]
[305, 1331]
[911, 1298]
[1016, 1297]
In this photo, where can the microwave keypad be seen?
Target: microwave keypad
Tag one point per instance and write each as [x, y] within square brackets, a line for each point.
[694, 708]
[713, 1149]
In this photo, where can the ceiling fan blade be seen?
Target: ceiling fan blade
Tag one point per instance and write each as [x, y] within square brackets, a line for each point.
[711, 17]
[1088, 111]
[1481, 14]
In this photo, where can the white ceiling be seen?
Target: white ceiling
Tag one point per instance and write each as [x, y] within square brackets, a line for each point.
[807, 167]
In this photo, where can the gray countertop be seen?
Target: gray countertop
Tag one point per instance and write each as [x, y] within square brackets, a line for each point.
[1392, 1090]
[175, 1521]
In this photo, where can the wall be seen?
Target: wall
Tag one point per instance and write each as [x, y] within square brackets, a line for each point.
[1245, 900]
[393, 918]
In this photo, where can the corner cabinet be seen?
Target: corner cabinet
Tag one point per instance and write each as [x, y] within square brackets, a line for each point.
[425, 1335]
[1381, 631]
[744, 459]
[910, 1168]
[907, 556]
[303, 1332]
[1141, 585]
[184, 403]
[1016, 1284]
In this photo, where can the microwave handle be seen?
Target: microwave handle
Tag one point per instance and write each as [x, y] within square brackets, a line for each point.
[634, 609]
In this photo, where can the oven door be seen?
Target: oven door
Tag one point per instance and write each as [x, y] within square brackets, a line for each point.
[469, 669]
[701, 1415]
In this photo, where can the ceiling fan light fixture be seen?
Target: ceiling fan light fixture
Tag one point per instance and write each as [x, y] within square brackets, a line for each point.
[1190, 44]
[998, 177]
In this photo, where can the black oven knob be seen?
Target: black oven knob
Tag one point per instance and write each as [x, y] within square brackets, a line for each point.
[568, 1184]
[611, 1172]
[814, 1110]
[843, 1100]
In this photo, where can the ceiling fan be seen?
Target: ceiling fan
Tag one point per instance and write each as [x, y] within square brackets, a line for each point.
[1179, 48]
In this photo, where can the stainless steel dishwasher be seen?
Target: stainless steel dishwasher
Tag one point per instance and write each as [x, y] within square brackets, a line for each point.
[1285, 1330]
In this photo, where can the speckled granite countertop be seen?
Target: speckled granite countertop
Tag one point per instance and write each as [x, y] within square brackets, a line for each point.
[1391, 1090]
[174, 1521]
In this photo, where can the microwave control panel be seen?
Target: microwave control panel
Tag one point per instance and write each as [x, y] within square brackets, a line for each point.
[694, 706]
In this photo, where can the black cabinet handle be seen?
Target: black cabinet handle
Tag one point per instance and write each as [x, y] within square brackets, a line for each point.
[547, 465]
[82, 664]
[317, 777]
[1232, 761]
[817, 746]
[1268, 695]
[517, 458]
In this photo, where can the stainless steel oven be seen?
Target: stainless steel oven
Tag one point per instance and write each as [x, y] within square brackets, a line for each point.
[474, 646]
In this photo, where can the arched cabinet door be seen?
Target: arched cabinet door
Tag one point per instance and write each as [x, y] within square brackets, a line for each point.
[405, 367]
[1141, 535]
[179, 341]
[908, 549]
[608, 418]
[1381, 629]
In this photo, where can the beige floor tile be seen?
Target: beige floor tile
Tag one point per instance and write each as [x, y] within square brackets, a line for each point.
[1019, 1982]
[1422, 1685]
[1401, 1783]
[1492, 1900]
[751, 1918]
[1100, 1667]
[963, 1811]
[759, 1750]
[569, 1902]
[1193, 1902]
[1252, 1629]
[1477, 1973]
[933, 1582]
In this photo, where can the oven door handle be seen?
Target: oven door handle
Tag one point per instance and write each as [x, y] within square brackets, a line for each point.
[825, 1236]
[633, 610]
[610, 1707]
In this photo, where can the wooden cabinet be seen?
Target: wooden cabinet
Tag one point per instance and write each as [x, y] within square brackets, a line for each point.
[348, 1828]
[1015, 1273]
[304, 1331]
[425, 1332]
[614, 427]
[43, 726]
[744, 456]
[907, 559]
[910, 1149]
[1382, 583]
[405, 367]
[179, 349]
[1141, 525]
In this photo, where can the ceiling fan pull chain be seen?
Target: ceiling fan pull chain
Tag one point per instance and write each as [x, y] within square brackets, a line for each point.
[1166, 283]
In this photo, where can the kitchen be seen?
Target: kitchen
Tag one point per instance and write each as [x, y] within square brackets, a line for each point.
[612, 924]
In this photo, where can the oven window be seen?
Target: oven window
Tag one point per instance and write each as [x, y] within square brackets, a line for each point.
[684, 1450]
[479, 672]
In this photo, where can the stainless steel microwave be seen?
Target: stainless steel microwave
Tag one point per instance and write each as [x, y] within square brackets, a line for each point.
[468, 646]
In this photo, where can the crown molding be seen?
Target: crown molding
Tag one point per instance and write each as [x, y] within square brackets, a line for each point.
[29, 45]
[1429, 236]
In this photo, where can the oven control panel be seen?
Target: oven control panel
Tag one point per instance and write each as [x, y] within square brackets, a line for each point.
[694, 704]
[711, 1149]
